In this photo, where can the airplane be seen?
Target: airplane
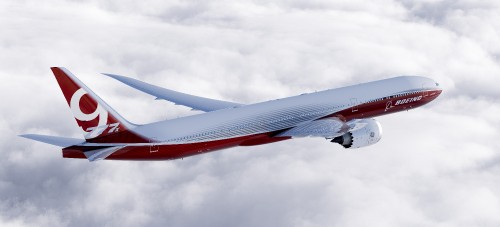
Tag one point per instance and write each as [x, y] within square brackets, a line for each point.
[342, 115]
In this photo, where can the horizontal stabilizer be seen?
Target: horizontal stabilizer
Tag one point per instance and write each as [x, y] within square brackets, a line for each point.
[54, 140]
[100, 154]
[195, 102]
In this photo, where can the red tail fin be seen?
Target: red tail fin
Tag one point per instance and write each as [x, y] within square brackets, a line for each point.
[93, 115]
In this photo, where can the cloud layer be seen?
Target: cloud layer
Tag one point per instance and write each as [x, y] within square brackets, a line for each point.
[436, 166]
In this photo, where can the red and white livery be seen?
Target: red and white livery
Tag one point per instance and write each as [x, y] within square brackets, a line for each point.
[341, 115]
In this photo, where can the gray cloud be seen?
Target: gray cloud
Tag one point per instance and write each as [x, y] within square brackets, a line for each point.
[437, 165]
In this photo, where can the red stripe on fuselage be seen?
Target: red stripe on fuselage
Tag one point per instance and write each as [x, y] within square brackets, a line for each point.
[175, 151]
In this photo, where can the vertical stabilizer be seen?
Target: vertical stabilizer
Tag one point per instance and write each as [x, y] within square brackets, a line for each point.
[96, 118]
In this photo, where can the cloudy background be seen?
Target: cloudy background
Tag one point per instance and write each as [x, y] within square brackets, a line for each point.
[438, 165]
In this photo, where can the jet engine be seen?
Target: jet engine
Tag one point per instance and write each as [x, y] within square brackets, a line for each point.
[365, 133]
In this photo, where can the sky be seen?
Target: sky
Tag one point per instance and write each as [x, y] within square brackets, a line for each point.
[438, 165]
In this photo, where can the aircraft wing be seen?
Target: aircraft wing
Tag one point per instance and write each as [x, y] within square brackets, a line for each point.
[327, 128]
[195, 102]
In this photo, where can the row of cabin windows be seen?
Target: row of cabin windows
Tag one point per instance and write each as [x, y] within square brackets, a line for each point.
[405, 94]
[395, 96]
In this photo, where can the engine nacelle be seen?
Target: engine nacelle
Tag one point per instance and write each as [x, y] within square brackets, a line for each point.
[363, 136]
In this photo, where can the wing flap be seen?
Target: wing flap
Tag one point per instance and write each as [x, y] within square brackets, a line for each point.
[327, 128]
[195, 102]
[330, 127]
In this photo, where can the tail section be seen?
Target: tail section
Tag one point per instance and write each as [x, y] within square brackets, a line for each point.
[96, 118]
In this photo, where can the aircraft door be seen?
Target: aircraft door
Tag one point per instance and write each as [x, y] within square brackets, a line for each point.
[425, 90]
[153, 146]
[354, 104]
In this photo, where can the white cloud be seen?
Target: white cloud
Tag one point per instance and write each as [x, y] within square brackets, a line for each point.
[435, 166]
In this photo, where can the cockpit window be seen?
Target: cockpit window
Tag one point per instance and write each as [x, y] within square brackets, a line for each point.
[437, 84]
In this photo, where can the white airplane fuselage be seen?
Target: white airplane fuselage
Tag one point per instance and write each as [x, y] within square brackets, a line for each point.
[330, 114]
[257, 123]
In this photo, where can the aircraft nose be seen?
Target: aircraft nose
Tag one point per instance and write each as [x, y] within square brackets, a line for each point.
[438, 87]
[438, 92]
